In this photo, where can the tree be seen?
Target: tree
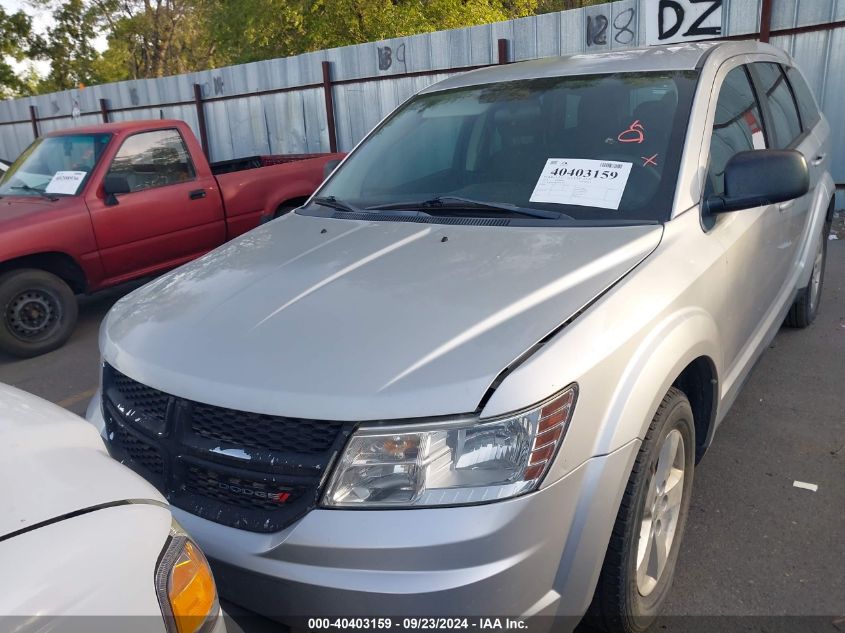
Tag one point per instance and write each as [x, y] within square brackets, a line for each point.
[158, 37]
[251, 30]
[69, 47]
[16, 41]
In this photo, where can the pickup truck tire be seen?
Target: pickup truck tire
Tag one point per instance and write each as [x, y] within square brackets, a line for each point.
[806, 306]
[643, 549]
[39, 312]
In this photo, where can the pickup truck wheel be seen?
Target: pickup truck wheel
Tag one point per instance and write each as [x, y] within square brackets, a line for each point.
[643, 549]
[39, 312]
[803, 312]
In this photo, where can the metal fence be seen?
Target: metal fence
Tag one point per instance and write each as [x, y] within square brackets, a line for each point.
[329, 99]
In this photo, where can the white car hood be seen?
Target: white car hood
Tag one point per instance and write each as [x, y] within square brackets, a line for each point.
[54, 464]
[355, 320]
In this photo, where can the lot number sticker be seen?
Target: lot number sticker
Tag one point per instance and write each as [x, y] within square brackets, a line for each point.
[583, 182]
[65, 182]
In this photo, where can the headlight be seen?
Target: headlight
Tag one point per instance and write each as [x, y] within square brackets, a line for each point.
[450, 463]
[185, 586]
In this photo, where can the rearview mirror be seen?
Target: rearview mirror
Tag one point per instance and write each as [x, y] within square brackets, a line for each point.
[329, 167]
[758, 177]
[114, 185]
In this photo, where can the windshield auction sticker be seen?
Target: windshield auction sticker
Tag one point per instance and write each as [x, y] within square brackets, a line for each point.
[65, 182]
[581, 181]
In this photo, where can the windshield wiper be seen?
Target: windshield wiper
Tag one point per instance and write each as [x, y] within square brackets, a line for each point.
[457, 202]
[24, 187]
[335, 203]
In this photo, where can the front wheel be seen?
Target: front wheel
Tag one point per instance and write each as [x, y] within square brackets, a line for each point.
[39, 312]
[643, 550]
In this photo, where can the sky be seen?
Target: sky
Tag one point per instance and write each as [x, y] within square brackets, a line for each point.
[41, 20]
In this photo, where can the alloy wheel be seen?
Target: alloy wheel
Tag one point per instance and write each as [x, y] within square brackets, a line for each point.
[660, 515]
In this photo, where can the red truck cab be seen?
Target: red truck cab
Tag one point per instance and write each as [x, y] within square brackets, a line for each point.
[91, 207]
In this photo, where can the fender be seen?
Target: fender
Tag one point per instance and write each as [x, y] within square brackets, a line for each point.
[669, 348]
[824, 191]
[298, 188]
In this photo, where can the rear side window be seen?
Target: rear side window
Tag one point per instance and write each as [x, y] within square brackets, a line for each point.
[153, 159]
[783, 113]
[736, 128]
[804, 96]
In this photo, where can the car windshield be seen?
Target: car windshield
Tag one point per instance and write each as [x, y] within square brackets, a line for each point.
[582, 148]
[54, 165]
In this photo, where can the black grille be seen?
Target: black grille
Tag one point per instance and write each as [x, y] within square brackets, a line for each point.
[139, 451]
[252, 471]
[255, 430]
[145, 400]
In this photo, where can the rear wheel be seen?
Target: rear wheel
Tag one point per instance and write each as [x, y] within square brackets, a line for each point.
[39, 312]
[803, 312]
[643, 549]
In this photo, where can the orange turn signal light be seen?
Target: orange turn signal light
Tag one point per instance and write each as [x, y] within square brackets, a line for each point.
[191, 590]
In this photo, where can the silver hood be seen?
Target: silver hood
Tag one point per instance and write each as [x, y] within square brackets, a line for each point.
[349, 320]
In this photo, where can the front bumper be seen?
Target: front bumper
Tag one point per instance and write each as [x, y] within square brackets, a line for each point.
[538, 554]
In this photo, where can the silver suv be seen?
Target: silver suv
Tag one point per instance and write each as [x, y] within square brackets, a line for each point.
[474, 373]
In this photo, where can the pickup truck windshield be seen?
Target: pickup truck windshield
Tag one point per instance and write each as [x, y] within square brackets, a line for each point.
[54, 165]
[589, 148]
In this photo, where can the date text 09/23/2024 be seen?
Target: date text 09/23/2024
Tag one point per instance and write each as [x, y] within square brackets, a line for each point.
[418, 623]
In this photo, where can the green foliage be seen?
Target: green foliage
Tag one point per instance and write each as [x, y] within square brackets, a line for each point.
[69, 47]
[16, 40]
[154, 38]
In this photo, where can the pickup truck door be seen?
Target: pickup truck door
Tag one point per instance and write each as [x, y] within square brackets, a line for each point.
[752, 238]
[172, 213]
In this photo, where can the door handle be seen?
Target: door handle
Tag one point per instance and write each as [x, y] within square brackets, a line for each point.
[819, 159]
[197, 194]
[785, 206]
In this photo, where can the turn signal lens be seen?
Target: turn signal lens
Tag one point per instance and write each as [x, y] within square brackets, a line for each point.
[186, 590]
[191, 589]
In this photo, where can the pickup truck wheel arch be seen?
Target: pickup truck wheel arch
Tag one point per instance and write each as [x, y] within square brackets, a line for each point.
[39, 312]
[61, 265]
[287, 206]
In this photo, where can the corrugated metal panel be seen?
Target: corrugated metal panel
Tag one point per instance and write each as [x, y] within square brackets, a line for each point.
[572, 25]
[742, 17]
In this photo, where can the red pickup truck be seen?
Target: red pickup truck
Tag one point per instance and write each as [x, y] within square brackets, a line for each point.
[88, 208]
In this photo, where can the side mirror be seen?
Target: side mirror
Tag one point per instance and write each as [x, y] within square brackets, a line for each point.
[329, 167]
[759, 177]
[114, 185]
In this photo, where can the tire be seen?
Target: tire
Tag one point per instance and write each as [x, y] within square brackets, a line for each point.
[627, 601]
[806, 306]
[39, 312]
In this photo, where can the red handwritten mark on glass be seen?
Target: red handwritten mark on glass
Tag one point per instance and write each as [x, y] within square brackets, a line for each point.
[649, 161]
[634, 134]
